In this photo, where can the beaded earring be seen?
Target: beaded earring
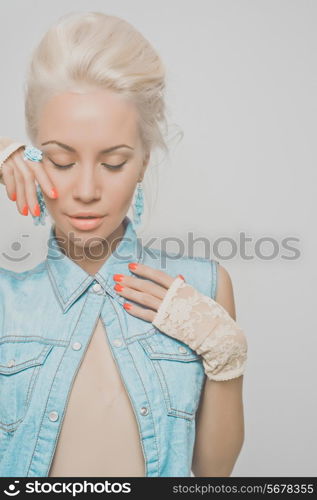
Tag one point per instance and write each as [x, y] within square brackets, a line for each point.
[33, 154]
[138, 205]
[40, 219]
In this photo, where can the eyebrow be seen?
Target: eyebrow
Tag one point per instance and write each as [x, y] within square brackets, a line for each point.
[69, 148]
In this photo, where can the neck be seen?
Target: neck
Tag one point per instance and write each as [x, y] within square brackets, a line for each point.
[85, 257]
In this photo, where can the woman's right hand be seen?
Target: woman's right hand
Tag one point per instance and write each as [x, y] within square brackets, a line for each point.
[19, 176]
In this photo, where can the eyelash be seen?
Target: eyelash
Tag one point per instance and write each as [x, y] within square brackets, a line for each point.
[110, 167]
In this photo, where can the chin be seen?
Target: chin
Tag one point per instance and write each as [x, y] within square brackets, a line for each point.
[86, 238]
[93, 244]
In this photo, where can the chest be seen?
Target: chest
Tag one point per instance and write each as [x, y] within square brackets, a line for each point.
[99, 435]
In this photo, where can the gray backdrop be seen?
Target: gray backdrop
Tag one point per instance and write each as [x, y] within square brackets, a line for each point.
[242, 87]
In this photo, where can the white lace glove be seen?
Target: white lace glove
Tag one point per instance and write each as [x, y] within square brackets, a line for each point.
[206, 327]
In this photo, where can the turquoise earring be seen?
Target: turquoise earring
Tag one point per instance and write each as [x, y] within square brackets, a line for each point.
[138, 206]
[40, 219]
[33, 154]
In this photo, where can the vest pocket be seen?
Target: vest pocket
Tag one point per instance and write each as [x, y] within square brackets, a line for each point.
[179, 373]
[20, 364]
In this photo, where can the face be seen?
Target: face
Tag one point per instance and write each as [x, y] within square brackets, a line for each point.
[95, 166]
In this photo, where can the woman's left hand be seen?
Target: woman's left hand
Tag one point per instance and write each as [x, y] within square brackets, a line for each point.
[148, 292]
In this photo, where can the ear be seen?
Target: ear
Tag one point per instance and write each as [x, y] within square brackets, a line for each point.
[146, 160]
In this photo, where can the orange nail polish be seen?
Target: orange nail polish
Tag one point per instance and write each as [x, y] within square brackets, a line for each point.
[181, 276]
[37, 210]
[127, 306]
[14, 197]
[132, 266]
[118, 287]
[25, 210]
[54, 193]
[117, 277]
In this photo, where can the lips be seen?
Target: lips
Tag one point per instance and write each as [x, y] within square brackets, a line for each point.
[86, 215]
[85, 223]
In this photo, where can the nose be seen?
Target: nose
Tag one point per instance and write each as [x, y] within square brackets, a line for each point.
[86, 185]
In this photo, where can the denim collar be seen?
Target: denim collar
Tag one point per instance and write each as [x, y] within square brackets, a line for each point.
[69, 280]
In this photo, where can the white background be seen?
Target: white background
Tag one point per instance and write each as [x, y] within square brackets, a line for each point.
[241, 84]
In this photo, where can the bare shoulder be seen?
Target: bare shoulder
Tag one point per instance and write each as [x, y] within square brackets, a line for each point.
[224, 294]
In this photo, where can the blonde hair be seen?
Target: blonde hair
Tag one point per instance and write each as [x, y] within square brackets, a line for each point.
[93, 50]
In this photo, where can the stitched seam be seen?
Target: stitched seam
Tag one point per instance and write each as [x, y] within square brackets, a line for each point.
[54, 288]
[182, 413]
[162, 380]
[49, 392]
[189, 424]
[153, 420]
[24, 274]
[28, 363]
[162, 377]
[25, 402]
[29, 393]
[186, 357]
[183, 358]
[80, 287]
[9, 425]
[25, 338]
[137, 336]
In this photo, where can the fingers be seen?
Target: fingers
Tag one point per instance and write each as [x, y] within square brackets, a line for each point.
[39, 172]
[143, 292]
[21, 198]
[142, 298]
[20, 176]
[26, 186]
[141, 285]
[9, 180]
[31, 171]
[140, 312]
[149, 272]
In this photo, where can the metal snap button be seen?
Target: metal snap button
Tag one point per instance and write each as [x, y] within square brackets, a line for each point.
[53, 416]
[76, 346]
[96, 287]
[144, 410]
[11, 363]
[117, 342]
[182, 349]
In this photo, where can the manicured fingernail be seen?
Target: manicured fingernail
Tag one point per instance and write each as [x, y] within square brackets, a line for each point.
[25, 210]
[14, 197]
[118, 287]
[132, 266]
[54, 193]
[181, 276]
[117, 277]
[37, 210]
[127, 306]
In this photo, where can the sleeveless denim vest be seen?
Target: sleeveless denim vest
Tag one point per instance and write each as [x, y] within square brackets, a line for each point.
[48, 315]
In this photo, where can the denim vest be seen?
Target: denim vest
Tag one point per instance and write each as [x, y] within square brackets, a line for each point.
[48, 315]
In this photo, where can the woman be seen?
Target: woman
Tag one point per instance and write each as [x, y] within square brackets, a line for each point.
[110, 365]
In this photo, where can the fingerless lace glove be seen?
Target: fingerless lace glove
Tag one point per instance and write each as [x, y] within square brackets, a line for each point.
[206, 327]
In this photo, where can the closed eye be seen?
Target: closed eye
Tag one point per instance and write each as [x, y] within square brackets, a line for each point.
[62, 166]
[111, 167]
[114, 167]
